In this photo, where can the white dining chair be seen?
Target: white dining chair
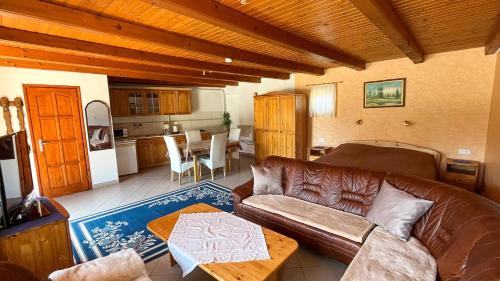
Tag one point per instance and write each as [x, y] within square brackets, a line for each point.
[193, 136]
[234, 135]
[217, 158]
[176, 164]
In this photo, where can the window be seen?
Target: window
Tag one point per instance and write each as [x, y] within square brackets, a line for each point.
[323, 101]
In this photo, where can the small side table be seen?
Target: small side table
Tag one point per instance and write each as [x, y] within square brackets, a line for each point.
[462, 173]
[316, 152]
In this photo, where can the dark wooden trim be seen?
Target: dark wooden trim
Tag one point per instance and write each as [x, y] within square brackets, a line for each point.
[385, 18]
[215, 13]
[33, 142]
[404, 91]
[492, 45]
[86, 21]
[61, 44]
[44, 56]
[114, 72]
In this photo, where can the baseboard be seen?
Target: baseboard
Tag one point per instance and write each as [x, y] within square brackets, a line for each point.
[104, 184]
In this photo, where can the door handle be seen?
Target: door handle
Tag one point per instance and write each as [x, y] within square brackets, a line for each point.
[41, 144]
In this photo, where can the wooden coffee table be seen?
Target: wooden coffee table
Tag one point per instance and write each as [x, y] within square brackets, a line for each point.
[280, 249]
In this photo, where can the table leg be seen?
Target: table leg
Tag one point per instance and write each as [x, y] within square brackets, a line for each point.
[229, 160]
[172, 260]
[196, 173]
[273, 276]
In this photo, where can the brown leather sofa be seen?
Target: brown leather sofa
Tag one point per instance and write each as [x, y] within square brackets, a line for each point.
[461, 230]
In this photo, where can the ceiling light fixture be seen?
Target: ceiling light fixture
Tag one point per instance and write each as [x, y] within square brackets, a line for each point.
[228, 60]
[244, 2]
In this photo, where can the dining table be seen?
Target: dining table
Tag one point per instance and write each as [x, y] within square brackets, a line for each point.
[196, 149]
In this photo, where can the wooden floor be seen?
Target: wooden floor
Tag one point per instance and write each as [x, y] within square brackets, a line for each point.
[302, 266]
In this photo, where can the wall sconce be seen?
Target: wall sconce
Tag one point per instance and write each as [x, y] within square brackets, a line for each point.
[359, 122]
[407, 123]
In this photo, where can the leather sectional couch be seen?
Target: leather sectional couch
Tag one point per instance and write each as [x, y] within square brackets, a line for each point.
[461, 230]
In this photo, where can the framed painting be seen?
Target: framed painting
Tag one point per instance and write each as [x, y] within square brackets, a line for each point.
[385, 93]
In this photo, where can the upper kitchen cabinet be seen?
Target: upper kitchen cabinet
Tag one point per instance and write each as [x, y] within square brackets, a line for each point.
[176, 102]
[119, 102]
[183, 102]
[168, 102]
[138, 102]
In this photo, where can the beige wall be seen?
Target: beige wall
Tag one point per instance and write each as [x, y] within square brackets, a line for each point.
[492, 159]
[447, 100]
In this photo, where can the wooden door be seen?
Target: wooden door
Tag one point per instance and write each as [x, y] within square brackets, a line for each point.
[56, 122]
[287, 113]
[118, 100]
[272, 143]
[259, 105]
[272, 114]
[168, 103]
[183, 102]
[287, 144]
[260, 145]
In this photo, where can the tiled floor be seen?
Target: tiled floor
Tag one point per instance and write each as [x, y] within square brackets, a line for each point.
[303, 266]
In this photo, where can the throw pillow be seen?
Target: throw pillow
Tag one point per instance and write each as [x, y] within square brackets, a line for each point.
[267, 181]
[397, 211]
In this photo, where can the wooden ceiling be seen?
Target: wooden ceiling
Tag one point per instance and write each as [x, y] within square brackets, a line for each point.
[185, 42]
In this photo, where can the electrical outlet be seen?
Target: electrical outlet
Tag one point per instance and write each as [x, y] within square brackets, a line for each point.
[464, 151]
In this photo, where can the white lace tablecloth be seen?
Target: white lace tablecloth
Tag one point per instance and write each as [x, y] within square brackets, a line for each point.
[215, 238]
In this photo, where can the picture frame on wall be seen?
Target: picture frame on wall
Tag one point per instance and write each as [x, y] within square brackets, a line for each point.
[385, 93]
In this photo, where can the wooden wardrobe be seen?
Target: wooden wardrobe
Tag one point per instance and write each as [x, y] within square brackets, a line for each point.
[280, 123]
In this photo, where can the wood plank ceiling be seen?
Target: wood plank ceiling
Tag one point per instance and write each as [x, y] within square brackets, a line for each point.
[134, 38]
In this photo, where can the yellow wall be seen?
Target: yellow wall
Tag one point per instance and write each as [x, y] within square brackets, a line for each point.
[492, 159]
[447, 99]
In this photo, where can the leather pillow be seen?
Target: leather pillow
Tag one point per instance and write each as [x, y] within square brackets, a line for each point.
[397, 211]
[267, 181]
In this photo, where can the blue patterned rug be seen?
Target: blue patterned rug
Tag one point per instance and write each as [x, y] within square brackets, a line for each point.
[110, 231]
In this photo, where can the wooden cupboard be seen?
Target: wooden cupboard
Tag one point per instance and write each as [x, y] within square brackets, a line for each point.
[176, 102]
[42, 245]
[139, 102]
[280, 123]
[152, 151]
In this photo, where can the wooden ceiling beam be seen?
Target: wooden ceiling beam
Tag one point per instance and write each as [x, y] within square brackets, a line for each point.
[123, 80]
[74, 60]
[56, 43]
[217, 14]
[383, 16]
[56, 14]
[492, 45]
[23, 63]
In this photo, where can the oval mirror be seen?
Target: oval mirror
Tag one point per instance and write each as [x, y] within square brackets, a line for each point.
[99, 126]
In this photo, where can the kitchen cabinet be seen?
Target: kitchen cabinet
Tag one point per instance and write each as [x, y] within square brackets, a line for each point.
[152, 151]
[119, 102]
[176, 102]
[140, 102]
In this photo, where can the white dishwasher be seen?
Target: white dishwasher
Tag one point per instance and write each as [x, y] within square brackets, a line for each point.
[126, 156]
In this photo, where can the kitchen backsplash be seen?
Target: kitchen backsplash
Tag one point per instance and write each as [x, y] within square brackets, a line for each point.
[152, 125]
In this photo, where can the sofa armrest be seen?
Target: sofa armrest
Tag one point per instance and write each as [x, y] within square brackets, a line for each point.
[243, 191]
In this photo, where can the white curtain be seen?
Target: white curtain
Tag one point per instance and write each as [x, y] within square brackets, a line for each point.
[323, 101]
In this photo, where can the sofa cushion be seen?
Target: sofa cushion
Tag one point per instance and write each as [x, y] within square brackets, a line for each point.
[267, 181]
[125, 265]
[384, 257]
[347, 225]
[345, 189]
[397, 211]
